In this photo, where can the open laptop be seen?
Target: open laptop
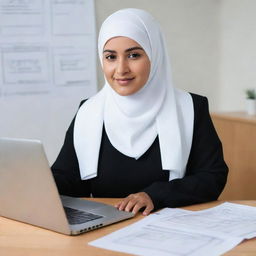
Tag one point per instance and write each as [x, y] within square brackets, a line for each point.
[28, 193]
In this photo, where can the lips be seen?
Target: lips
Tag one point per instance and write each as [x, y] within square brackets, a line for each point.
[124, 81]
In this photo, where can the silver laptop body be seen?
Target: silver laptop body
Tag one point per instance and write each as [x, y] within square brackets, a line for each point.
[28, 193]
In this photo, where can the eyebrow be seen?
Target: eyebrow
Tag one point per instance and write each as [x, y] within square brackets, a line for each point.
[127, 50]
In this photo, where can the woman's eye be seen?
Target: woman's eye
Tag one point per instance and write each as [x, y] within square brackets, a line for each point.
[110, 57]
[134, 55]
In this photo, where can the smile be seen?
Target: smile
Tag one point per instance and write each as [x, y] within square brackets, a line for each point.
[124, 81]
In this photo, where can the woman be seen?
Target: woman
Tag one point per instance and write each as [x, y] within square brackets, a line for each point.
[139, 138]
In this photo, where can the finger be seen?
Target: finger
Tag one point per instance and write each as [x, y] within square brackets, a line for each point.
[129, 207]
[123, 204]
[148, 209]
[117, 204]
[137, 207]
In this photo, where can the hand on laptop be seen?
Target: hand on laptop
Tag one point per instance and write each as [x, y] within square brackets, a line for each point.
[134, 202]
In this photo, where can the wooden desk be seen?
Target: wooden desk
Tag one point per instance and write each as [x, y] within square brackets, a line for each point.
[18, 239]
[237, 132]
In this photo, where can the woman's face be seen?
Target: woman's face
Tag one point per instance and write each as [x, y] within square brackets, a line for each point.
[126, 65]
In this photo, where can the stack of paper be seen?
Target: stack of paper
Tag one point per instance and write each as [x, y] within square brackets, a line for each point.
[177, 232]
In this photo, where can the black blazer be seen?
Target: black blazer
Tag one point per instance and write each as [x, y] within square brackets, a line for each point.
[119, 175]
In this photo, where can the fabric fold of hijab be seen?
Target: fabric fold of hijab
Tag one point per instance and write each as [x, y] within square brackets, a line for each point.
[133, 122]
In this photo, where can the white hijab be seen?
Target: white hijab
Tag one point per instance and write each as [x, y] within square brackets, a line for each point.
[133, 122]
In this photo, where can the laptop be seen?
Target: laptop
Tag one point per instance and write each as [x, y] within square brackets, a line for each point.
[28, 193]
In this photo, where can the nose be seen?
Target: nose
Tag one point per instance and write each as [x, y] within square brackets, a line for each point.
[122, 66]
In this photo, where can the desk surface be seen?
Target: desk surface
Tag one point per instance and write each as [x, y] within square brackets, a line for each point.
[19, 239]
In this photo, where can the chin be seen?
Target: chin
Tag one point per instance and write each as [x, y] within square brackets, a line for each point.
[124, 93]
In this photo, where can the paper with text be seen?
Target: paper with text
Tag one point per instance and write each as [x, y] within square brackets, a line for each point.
[47, 45]
[177, 232]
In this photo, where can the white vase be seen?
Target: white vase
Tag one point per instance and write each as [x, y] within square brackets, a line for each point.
[251, 107]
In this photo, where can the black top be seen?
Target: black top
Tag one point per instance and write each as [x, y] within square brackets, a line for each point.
[120, 175]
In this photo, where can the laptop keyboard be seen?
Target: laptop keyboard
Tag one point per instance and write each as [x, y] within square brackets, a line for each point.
[75, 216]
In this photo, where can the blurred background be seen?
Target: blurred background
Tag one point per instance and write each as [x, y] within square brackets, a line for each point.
[212, 47]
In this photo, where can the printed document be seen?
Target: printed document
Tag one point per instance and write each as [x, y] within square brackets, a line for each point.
[46, 46]
[177, 232]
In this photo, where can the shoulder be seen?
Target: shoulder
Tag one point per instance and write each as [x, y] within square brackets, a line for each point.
[195, 105]
[191, 101]
[200, 103]
[82, 102]
[202, 116]
[198, 99]
[94, 100]
[182, 95]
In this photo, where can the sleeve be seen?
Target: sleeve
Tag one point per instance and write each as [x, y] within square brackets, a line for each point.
[206, 171]
[66, 169]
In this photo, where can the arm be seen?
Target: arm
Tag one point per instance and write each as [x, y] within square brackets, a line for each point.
[66, 169]
[206, 171]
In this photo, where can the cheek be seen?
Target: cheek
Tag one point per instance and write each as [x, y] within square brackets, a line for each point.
[107, 70]
[145, 71]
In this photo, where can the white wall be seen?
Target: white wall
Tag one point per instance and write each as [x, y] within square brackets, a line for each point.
[45, 117]
[212, 48]
[238, 52]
